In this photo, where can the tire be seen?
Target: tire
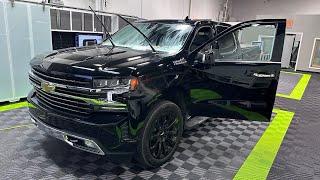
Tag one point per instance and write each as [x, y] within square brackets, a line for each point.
[161, 134]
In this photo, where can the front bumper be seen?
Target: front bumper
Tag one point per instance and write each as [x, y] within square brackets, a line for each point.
[99, 133]
[76, 141]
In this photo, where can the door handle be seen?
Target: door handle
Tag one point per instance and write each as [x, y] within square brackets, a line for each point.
[263, 75]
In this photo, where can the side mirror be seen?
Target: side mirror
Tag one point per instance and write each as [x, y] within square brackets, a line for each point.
[209, 55]
[206, 57]
[200, 57]
[215, 45]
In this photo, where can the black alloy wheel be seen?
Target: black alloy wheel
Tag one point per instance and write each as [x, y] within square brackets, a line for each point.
[164, 135]
[161, 134]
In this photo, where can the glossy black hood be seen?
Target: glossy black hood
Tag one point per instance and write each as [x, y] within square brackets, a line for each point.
[94, 61]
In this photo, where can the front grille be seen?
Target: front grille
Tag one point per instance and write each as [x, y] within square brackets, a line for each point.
[91, 95]
[63, 103]
[74, 100]
[66, 91]
[62, 80]
[34, 81]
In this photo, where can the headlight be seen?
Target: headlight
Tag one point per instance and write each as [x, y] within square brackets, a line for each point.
[110, 83]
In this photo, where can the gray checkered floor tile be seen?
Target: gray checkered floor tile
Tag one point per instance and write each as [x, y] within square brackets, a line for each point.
[287, 82]
[12, 118]
[299, 155]
[214, 150]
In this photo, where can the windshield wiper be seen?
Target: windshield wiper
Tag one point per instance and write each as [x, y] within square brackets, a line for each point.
[145, 37]
[105, 28]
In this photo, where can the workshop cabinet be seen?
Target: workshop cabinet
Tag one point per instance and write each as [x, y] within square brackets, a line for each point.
[76, 21]
[60, 19]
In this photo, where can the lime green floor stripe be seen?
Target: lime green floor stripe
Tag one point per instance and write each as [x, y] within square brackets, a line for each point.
[258, 163]
[13, 106]
[299, 89]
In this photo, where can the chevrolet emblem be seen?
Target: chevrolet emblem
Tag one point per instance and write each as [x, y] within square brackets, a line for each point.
[47, 87]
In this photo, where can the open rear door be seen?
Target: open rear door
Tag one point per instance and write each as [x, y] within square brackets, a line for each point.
[240, 71]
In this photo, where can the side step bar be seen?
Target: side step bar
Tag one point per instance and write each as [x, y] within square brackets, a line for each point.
[195, 121]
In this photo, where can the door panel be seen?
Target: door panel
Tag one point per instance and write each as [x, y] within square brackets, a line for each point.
[239, 78]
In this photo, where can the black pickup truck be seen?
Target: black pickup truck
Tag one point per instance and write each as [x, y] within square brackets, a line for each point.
[135, 93]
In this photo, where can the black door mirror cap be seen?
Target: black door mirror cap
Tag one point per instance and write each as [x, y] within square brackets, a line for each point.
[215, 45]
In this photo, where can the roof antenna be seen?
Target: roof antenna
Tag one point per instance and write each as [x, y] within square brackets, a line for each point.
[187, 19]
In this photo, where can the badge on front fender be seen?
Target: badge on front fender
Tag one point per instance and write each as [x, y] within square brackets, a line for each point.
[180, 61]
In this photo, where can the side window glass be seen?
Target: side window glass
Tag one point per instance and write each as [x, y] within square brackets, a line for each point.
[202, 36]
[227, 44]
[220, 28]
[252, 43]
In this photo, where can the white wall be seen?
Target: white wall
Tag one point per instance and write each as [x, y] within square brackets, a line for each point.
[165, 9]
[80, 3]
[154, 9]
[127, 7]
[149, 9]
[248, 9]
[206, 9]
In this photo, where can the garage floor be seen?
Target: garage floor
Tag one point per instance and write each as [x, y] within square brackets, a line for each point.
[299, 155]
[217, 149]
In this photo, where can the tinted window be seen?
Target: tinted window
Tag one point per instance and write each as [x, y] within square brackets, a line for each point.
[202, 36]
[227, 44]
[163, 37]
[253, 43]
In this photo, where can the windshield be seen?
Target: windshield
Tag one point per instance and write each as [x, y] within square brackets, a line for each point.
[163, 37]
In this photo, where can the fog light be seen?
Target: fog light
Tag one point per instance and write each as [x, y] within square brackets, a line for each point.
[89, 143]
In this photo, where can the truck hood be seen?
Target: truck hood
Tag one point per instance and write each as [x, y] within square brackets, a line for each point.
[94, 61]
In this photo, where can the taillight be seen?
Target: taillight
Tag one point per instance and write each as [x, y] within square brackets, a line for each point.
[134, 83]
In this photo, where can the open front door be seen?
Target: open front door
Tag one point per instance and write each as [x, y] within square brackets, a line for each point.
[239, 72]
